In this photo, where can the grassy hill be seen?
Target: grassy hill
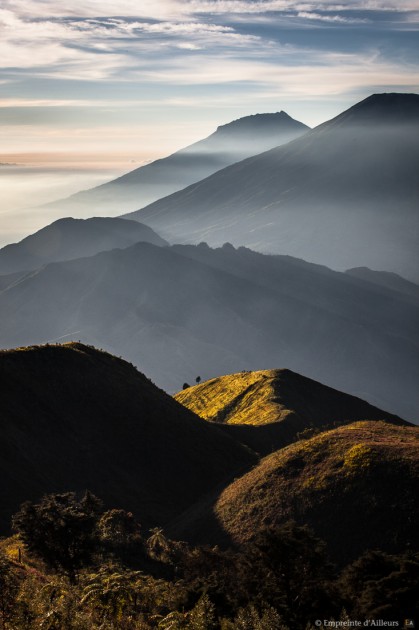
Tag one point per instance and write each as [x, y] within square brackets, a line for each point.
[356, 486]
[73, 417]
[276, 405]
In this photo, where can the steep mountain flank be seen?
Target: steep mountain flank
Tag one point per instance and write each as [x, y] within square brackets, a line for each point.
[345, 194]
[355, 486]
[230, 143]
[74, 418]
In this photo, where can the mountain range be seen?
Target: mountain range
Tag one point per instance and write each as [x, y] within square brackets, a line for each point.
[300, 369]
[182, 311]
[345, 194]
[230, 143]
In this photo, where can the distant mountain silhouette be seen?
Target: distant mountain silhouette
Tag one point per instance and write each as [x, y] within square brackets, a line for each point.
[345, 194]
[386, 279]
[269, 409]
[228, 144]
[177, 312]
[73, 238]
[355, 486]
[76, 418]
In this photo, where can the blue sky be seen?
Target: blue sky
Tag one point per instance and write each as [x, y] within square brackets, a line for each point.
[94, 88]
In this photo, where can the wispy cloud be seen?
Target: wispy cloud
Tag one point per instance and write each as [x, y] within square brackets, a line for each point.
[268, 6]
[71, 44]
[322, 17]
[29, 9]
[127, 54]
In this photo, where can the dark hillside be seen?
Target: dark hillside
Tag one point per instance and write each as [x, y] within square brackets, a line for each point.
[73, 417]
[355, 486]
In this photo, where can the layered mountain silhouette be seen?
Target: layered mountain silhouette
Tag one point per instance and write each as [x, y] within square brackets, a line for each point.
[345, 194]
[76, 418]
[356, 486]
[73, 238]
[228, 144]
[179, 312]
[386, 279]
[269, 409]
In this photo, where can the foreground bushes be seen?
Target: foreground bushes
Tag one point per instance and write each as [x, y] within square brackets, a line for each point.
[95, 570]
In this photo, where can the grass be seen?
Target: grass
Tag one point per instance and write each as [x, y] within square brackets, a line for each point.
[242, 398]
[356, 486]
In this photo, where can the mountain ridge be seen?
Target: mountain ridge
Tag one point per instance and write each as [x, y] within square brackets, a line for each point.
[69, 238]
[345, 194]
[269, 409]
[181, 311]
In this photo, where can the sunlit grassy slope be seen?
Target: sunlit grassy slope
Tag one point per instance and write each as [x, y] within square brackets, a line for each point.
[267, 396]
[276, 406]
[356, 486]
[242, 398]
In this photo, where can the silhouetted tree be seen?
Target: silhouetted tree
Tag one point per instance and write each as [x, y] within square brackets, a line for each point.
[61, 530]
[382, 586]
[198, 379]
[120, 535]
[286, 567]
[185, 386]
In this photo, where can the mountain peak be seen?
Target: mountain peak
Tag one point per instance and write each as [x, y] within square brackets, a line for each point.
[260, 123]
[68, 238]
[386, 108]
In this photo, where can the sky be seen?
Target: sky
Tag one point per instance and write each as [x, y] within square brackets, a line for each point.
[96, 88]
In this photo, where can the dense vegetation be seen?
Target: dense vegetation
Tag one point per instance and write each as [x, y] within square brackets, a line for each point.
[96, 569]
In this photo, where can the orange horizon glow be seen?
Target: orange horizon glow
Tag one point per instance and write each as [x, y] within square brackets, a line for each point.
[90, 160]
